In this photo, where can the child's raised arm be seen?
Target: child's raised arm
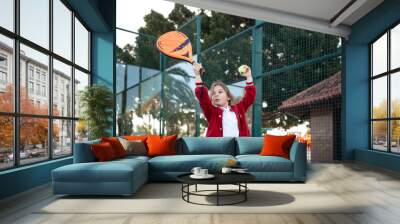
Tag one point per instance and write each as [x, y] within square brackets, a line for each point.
[249, 91]
[201, 92]
[197, 71]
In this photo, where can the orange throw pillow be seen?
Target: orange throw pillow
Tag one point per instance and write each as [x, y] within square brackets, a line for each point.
[116, 145]
[136, 137]
[161, 145]
[103, 152]
[277, 145]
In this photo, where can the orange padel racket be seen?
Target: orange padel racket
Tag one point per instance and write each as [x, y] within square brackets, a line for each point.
[177, 45]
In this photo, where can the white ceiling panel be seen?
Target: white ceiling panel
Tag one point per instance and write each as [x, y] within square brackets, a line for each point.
[326, 16]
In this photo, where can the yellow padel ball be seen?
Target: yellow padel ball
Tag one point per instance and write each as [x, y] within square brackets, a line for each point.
[242, 69]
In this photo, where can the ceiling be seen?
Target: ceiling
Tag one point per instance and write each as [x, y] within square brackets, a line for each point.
[326, 16]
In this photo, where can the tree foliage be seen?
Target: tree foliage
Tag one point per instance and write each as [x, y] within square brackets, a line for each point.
[282, 46]
[180, 15]
[33, 131]
[125, 54]
[285, 46]
[215, 28]
[379, 128]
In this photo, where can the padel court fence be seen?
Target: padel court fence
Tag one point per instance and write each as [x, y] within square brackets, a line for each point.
[296, 72]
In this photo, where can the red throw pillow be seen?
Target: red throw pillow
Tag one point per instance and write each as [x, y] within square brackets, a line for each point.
[116, 145]
[161, 145]
[103, 152]
[277, 145]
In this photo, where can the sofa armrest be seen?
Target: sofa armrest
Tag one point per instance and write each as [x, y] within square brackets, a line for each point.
[298, 155]
[83, 152]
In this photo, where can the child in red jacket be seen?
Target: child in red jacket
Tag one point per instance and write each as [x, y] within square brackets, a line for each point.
[224, 119]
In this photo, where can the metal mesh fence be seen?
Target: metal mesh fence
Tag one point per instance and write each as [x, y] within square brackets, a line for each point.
[300, 86]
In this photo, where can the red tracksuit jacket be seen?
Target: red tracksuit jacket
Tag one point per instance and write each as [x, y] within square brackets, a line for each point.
[213, 114]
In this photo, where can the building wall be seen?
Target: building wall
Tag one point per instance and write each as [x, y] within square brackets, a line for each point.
[35, 74]
[34, 80]
[322, 135]
[5, 68]
[356, 99]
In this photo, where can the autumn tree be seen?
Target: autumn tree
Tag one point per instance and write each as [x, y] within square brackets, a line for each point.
[33, 131]
[379, 128]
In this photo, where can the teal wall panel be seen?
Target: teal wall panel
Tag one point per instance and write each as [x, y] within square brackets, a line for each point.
[356, 86]
[24, 178]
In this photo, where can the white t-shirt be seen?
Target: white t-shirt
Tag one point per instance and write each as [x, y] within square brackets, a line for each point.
[230, 126]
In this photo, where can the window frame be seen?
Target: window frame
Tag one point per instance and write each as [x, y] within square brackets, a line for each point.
[18, 40]
[388, 74]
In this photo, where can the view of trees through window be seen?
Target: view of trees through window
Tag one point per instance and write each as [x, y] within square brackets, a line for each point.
[385, 94]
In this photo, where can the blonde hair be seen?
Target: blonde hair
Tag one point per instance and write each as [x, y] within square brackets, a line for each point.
[225, 88]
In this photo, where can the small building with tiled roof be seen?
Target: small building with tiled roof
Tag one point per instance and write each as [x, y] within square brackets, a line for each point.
[320, 104]
[327, 91]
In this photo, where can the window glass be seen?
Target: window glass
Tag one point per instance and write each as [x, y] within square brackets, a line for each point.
[379, 56]
[39, 62]
[34, 145]
[62, 29]
[6, 74]
[7, 14]
[379, 98]
[81, 45]
[395, 47]
[34, 21]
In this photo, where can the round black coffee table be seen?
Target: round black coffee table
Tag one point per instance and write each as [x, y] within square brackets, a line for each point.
[238, 179]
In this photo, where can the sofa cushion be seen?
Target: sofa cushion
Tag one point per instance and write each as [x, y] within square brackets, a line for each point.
[277, 145]
[136, 137]
[83, 152]
[103, 152]
[112, 171]
[133, 157]
[134, 147]
[249, 145]
[185, 163]
[209, 145]
[257, 163]
[116, 144]
[161, 145]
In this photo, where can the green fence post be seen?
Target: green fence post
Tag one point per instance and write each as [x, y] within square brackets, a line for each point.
[256, 67]
[198, 52]
[162, 69]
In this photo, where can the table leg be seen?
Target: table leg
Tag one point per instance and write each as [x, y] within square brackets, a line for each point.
[182, 189]
[188, 190]
[217, 194]
[245, 193]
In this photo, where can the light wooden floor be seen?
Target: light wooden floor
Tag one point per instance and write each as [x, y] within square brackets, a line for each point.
[377, 188]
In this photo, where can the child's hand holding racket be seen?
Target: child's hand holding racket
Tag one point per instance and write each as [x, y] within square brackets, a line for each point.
[198, 69]
[244, 70]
